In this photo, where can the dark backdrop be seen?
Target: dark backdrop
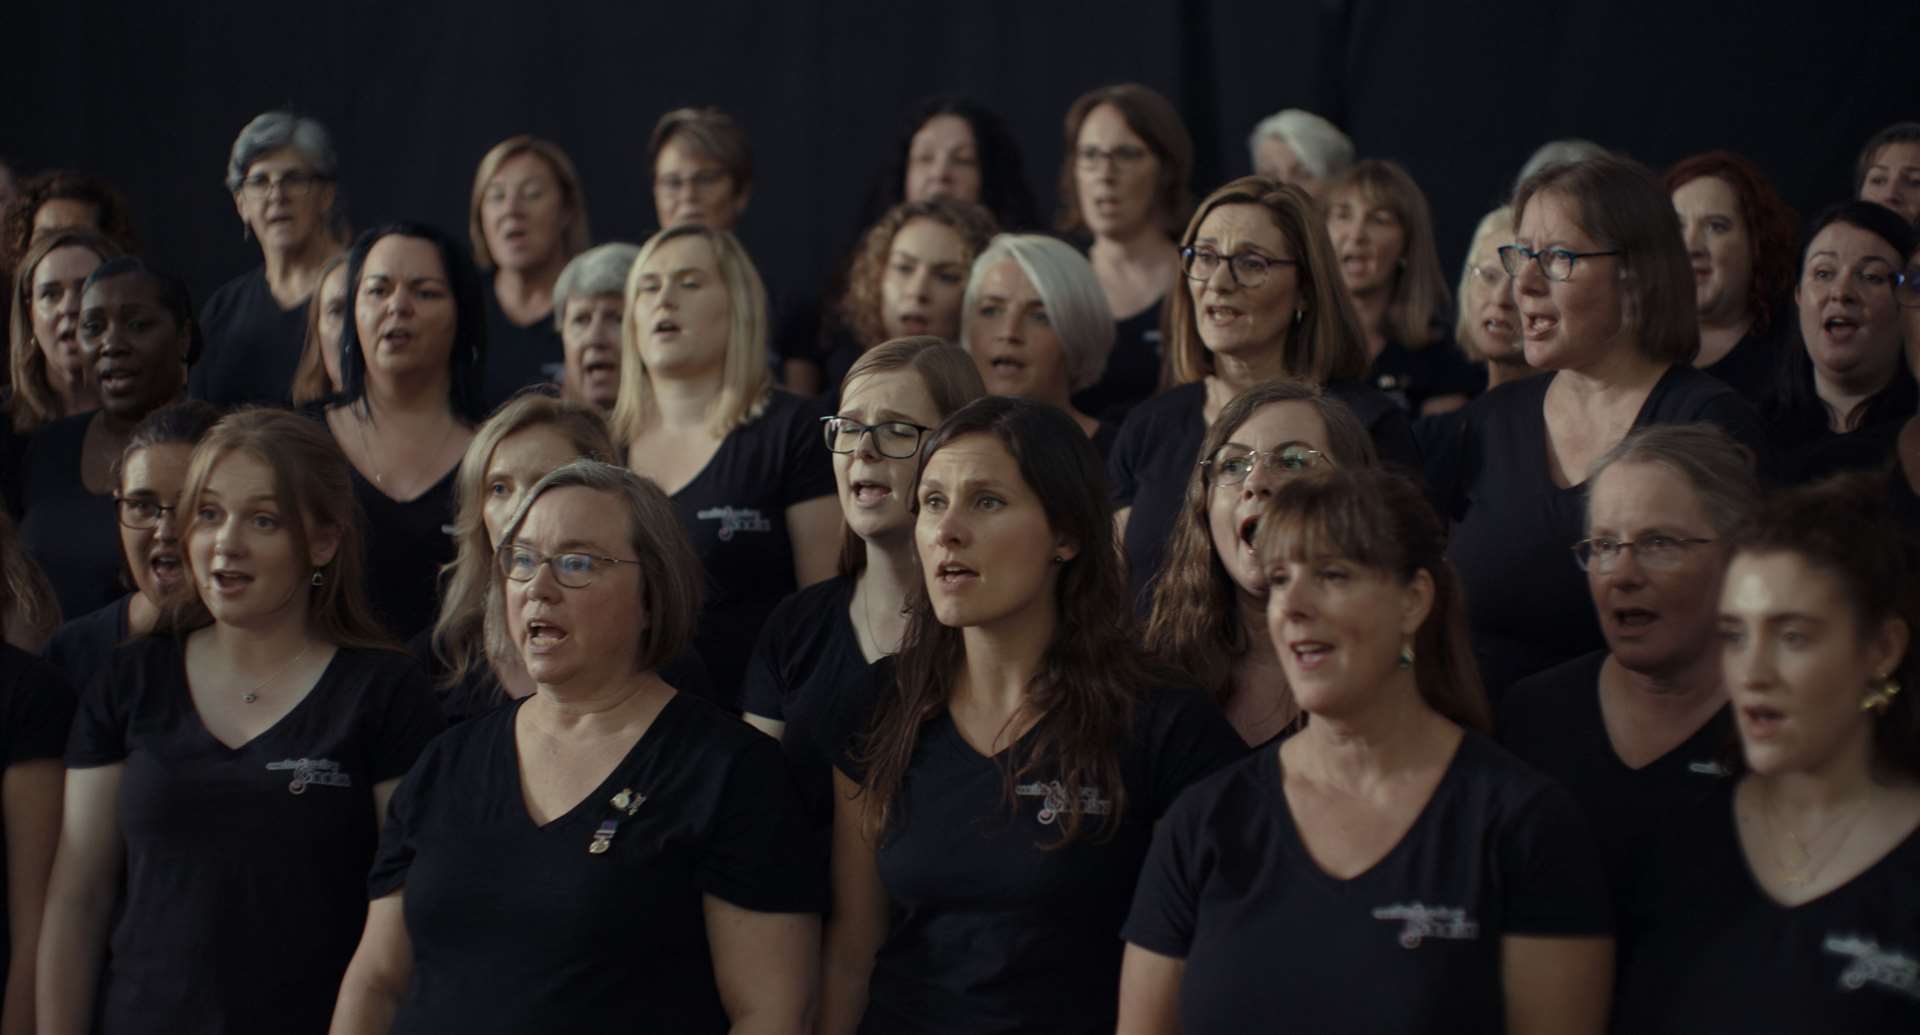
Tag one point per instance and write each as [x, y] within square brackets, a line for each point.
[416, 90]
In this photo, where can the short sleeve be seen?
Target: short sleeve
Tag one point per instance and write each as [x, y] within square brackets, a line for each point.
[1166, 899]
[807, 471]
[759, 853]
[1550, 870]
[1188, 740]
[763, 690]
[395, 855]
[404, 716]
[99, 735]
[39, 710]
[845, 726]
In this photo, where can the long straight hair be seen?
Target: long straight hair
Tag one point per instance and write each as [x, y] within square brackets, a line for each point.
[34, 402]
[1417, 306]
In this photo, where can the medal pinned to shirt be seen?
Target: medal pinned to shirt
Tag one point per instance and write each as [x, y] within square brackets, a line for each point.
[627, 802]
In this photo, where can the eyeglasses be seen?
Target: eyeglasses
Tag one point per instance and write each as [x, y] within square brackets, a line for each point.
[142, 514]
[1488, 276]
[1091, 157]
[1232, 464]
[895, 439]
[294, 185]
[701, 182]
[572, 570]
[1655, 552]
[1556, 263]
[1907, 289]
[1248, 269]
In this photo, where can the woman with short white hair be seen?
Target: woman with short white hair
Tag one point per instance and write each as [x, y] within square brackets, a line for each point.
[589, 301]
[1301, 148]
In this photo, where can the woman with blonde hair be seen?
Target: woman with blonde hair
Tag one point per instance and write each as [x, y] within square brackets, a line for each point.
[527, 217]
[317, 378]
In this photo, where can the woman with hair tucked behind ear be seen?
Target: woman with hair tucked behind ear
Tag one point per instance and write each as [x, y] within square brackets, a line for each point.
[1786, 901]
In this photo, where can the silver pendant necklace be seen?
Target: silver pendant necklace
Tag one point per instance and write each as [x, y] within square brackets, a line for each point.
[252, 695]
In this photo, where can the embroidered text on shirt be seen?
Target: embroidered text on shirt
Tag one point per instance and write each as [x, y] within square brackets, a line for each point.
[1708, 769]
[1873, 965]
[735, 519]
[1054, 800]
[1424, 921]
[306, 771]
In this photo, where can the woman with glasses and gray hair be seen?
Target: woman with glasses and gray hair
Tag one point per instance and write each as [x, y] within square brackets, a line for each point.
[283, 173]
[1606, 304]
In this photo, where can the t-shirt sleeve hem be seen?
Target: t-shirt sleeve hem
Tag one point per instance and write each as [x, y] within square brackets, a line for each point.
[1168, 945]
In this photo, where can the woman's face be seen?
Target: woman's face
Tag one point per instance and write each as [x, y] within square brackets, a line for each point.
[151, 481]
[137, 349]
[1013, 341]
[684, 313]
[1234, 320]
[240, 544]
[590, 334]
[943, 161]
[55, 287]
[1718, 246]
[1116, 175]
[1234, 509]
[874, 488]
[1368, 240]
[524, 214]
[1798, 664]
[1276, 161]
[282, 201]
[404, 309]
[1893, 179]
[62, 214]
[1493, 319]
[1339, 627]
[1849, 316]
[333, 321]
[1573, 323]
[924, 280]
[520, 460]
[689, 187]
[986, 548]
[1658, 619]
[585, 637]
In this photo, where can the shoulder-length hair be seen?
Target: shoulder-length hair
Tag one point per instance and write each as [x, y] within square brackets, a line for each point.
[1326, 345]
[1003, 176]
[1772, 226]
[34, 400]
[1076, 306]
[1193, 623]
[1092, 675]
[1156, 122]
[670, 574]
[459, 629]
[313, 485]
[465, 361]
[861, 308]
[1417, 308]
[573, 194]
[1381, 520]
[745, 378]
[1620, 204]
[29, 610]
[310, 380]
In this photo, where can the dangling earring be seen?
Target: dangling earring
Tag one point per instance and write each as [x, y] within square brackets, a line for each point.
[1406, 656]
[1298, 315]
[319, 577]
[1880, 695]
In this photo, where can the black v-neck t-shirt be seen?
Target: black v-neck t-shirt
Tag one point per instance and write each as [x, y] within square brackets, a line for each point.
[406, 545]
[36, 710]
[252, 345]
[1514, 529]
[1751, 367]
[72, 534]
[518, 927]
[1704, 949]
[1133, 368]
[82, 647]
[807, 663]
[1411, 376]
[245, 866]
[1411, 945]
[1552, 721]
[516, 355]
[993, 930]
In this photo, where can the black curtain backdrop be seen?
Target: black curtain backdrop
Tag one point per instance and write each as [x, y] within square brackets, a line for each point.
[415, 91]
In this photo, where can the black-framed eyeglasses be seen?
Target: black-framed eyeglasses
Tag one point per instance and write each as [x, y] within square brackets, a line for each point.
[894, 439]
[1231, 464]
[572, 570]
[294, 183]
[1906, 288]
[1555, 263]
[1655, 552]
[1091, 157]
[141, 514]
[1248, 269]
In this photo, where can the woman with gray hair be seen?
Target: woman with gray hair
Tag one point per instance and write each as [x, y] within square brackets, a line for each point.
[283, 173]
[1301, 148]
[589, 300]
[1037, 325]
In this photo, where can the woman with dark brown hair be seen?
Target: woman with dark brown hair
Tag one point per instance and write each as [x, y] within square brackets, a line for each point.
[990, 822]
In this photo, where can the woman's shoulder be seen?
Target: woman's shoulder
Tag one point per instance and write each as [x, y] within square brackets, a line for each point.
[1484, 771]
[1176, 405]
[814, 604]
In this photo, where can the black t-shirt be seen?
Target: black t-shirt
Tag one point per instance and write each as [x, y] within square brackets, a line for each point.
[1807, 449]
[1412, 376]
[36, 708]
[1552, 721]
[1160, 444]
[245, 892]
[518, 356]
[1410, 945]
[1704, 949]
[808, 661]
[252, 345]
[1512, 543]
[479, 691]
[1133, 368]
[13, 459]
[407, 544]
[1752, 367]
[518, 927]
[72, 534]
[735, 513]
[992, 931]
[82, 647]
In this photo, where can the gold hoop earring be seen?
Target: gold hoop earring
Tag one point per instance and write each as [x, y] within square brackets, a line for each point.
[1880, 695]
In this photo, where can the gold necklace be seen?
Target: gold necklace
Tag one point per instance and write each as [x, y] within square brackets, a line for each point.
[1802, 873]
[250, 696]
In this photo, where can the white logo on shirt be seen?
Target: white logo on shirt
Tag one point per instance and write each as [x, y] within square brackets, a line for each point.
[309, 771]
[735, 519]
[1053, 800]
[1424, 921]
[1708, 768]
[1873, 965]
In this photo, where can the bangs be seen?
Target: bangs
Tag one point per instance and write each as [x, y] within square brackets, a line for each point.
[1311, 519]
